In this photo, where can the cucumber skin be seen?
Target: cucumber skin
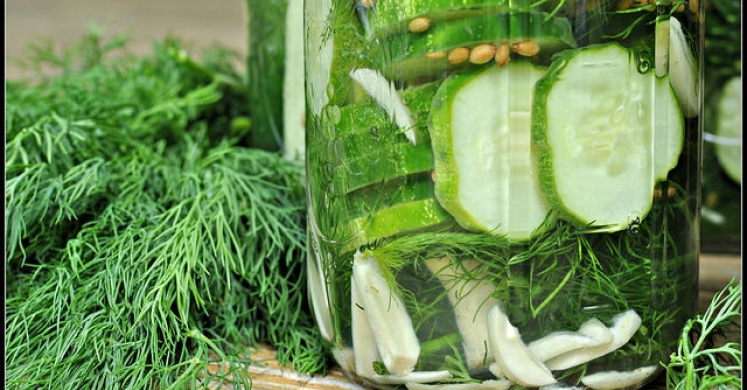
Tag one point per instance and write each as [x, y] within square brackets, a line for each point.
[544, 151]
[399, 160]
[540, 119]
[363, 157]
[400, 218]
[351, 50]
[393, 16]
[446, 185]
[364, 128]
[406, 51]
[381, 181]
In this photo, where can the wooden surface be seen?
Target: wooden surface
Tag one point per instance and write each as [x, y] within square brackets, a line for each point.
[266, 374]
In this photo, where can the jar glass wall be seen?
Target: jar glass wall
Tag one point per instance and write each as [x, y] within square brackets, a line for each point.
[721, 225]
[503, 192]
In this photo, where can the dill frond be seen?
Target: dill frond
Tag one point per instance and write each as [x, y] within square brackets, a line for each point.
[146, 238]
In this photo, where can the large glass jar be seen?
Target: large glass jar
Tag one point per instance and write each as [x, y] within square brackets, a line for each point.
[503, 192]
[721, 222]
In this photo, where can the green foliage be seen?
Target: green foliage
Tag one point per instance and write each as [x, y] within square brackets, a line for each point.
[701, 360]
[146, 237]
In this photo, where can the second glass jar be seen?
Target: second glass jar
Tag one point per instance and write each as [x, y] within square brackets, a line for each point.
[502, 192]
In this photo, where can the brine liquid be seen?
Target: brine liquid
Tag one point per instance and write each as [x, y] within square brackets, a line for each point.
[371, 193]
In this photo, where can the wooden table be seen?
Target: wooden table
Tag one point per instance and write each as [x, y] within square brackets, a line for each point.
[266, 374]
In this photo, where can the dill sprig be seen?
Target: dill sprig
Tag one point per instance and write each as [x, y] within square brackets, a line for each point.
[702, 359]
[146, 238]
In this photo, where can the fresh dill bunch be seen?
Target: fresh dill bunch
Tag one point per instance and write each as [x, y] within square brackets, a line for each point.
[145, 237]
[702, 359]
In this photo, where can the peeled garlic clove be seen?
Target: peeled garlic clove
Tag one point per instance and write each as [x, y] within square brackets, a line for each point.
[364, 342]
[413, 377]
[512, 356]
[592, 333]
[471, 300]
[682, 70]
[385, 94]
[390, 323]
[623, 327]
[609, 380]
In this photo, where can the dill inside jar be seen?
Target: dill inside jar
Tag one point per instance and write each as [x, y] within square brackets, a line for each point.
[502, 193]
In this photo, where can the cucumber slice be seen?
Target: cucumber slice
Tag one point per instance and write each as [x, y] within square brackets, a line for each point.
[370, 149]
[406, 204]
[374, 141]
[391, 162]
[367, 201]
[364, 128]
[605, 133]
[395, 15]
[484, 167]
[397, 219]
[335, 44]
[411, 55]
[728, 144]
[384, 92]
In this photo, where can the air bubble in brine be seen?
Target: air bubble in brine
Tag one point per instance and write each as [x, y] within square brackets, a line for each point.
[643, 64]
[634, 224]
[333, 114]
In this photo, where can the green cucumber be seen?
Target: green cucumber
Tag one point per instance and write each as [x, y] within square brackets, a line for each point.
[391, 162]
[485, 173]
[402, 205]
[605, 132]
[370, 149]
[400, 218]
[374, 141]
[728, 132]
[393, 16]
[365, 128]
[335, 44]
[367, 200]
[411, 55]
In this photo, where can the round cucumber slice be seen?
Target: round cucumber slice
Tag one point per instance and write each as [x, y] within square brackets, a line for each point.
[605, 133]
[728, 144]
[411, 55]
[485, 172]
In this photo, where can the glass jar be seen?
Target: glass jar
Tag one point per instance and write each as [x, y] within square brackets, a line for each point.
[721, 222]
[503, 192]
